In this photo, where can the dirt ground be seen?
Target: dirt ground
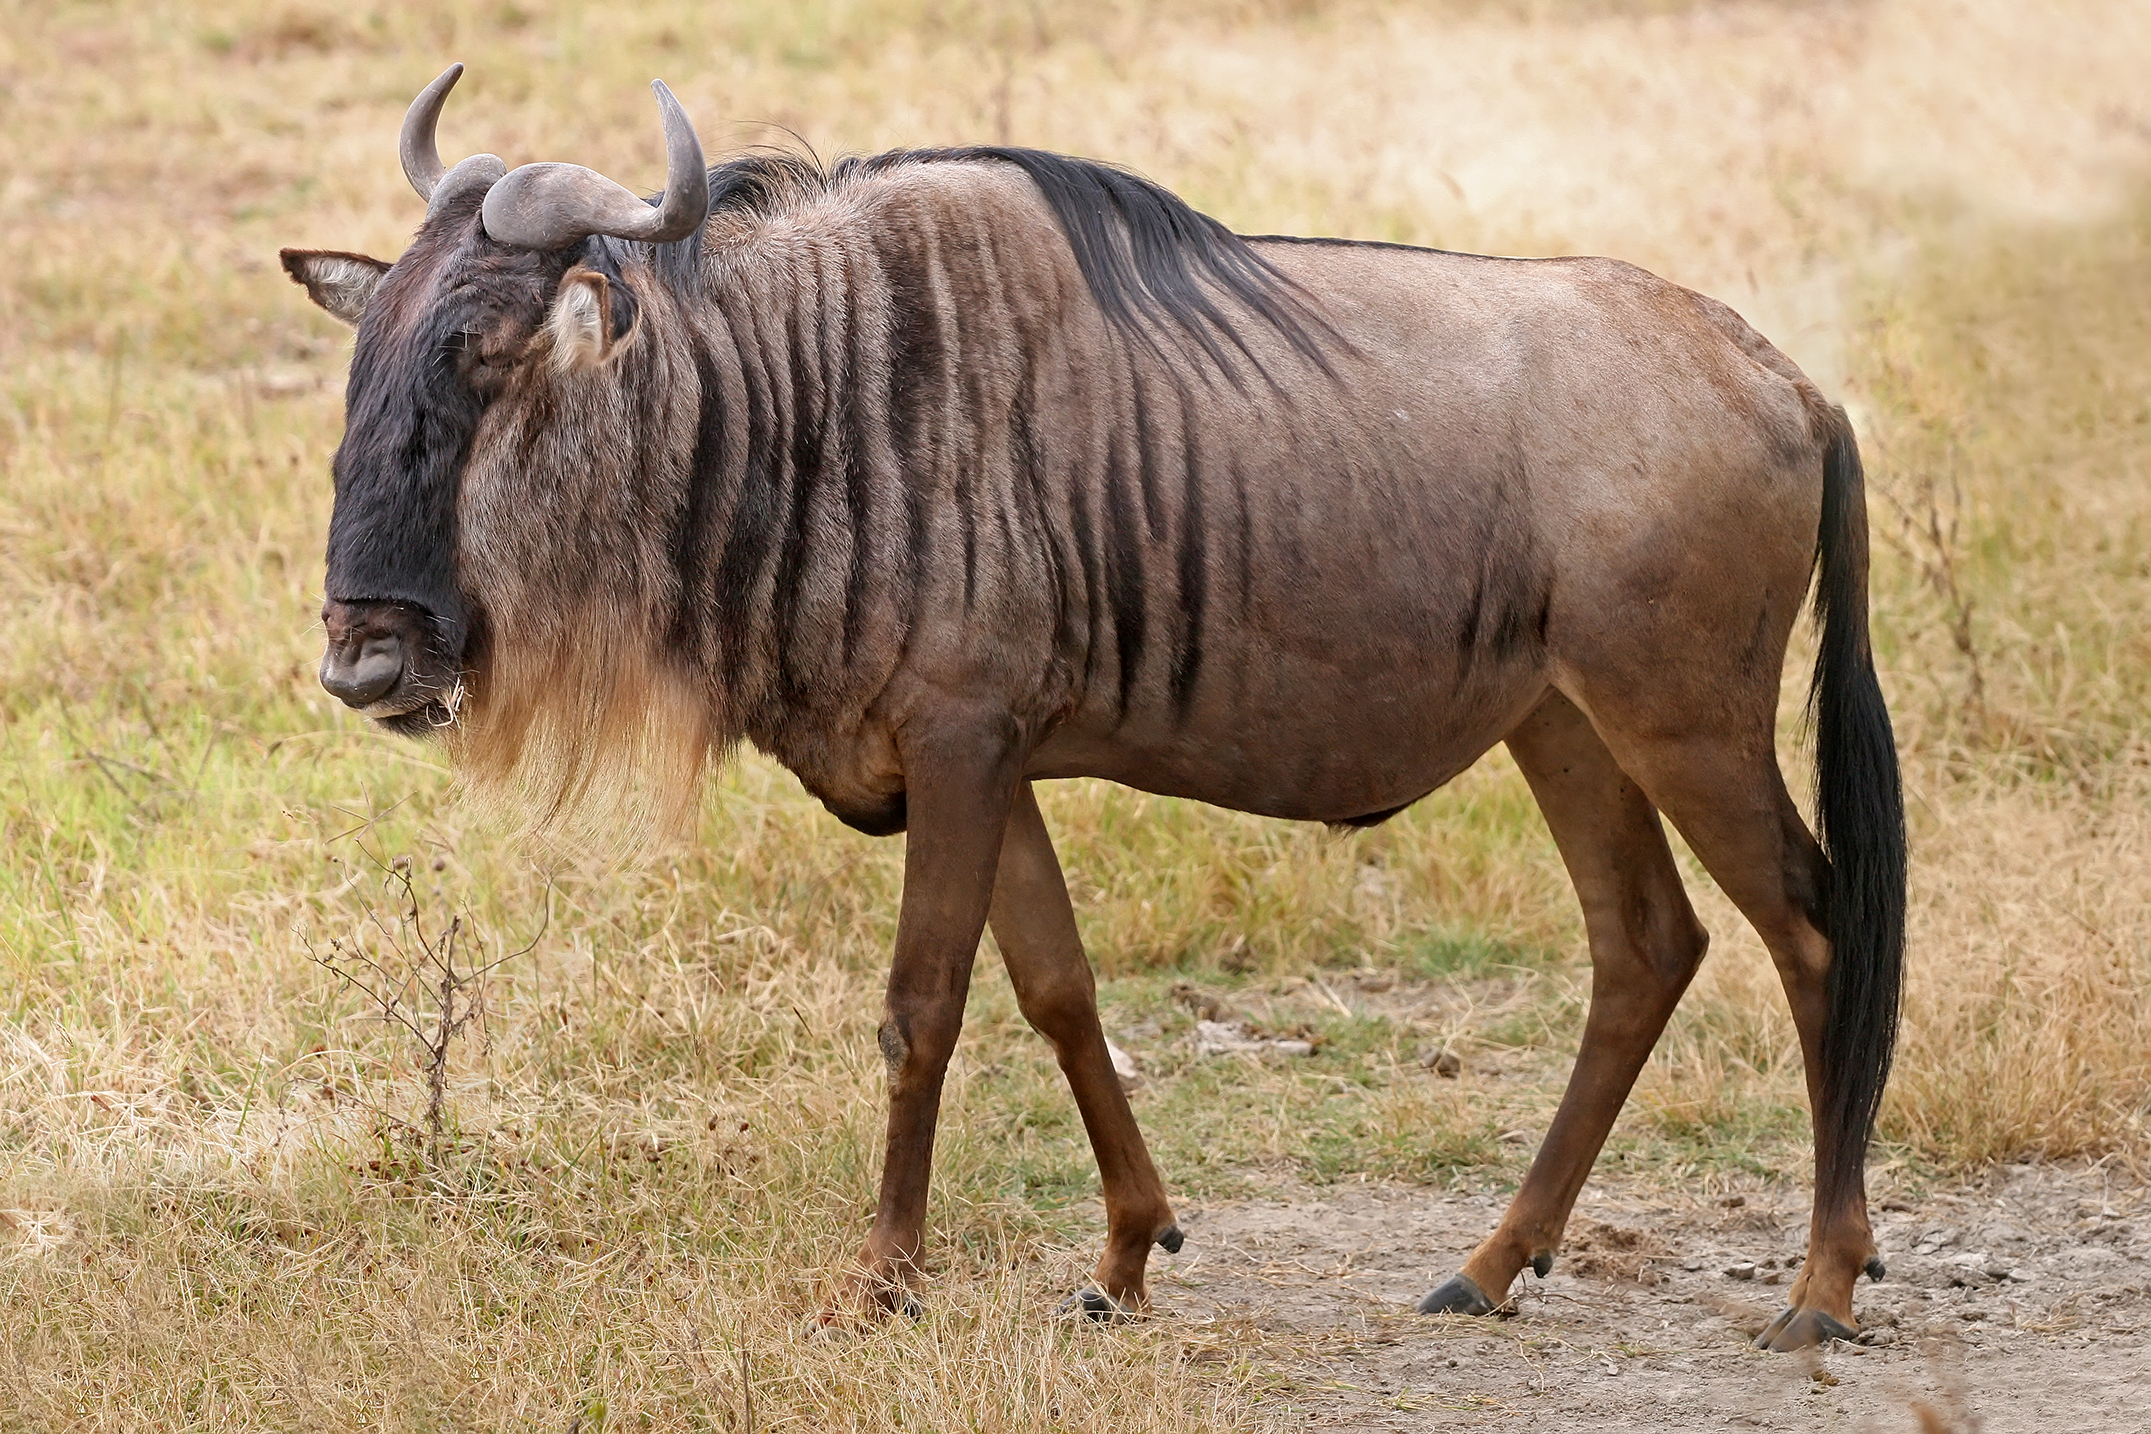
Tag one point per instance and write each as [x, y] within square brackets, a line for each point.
[2018, 1302]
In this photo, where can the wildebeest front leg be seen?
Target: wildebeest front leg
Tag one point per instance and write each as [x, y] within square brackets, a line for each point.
[958, 784]
[1645, 946]
[1035, 928]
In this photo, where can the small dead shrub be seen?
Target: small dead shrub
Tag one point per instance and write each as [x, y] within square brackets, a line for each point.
[420, 975]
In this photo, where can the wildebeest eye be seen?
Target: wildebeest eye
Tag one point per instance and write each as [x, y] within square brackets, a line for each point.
[476, 358]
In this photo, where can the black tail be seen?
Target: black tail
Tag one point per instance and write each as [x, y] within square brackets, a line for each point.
[1860, 819]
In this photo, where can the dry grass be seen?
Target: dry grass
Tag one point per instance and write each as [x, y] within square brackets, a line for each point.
[212, 1209]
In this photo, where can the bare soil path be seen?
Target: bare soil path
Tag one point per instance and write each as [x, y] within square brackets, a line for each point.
[2016, 1303]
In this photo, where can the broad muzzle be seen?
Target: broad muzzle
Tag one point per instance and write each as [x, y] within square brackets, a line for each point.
[371, 652]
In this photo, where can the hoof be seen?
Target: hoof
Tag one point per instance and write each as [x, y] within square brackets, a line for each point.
[1802, 1328]
[1170, 1240]
[1458, 1295]
[861, 1306]
[1093, 1306]
[1875, 1268]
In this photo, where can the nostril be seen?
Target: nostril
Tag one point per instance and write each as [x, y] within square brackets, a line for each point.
[365, 679]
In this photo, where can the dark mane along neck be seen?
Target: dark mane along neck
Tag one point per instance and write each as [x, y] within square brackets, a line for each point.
[1148, 257]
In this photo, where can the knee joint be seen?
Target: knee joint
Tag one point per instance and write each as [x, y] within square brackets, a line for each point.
[913, 1039]
[1059, 1008]
[895, 1047]
[1675, 943]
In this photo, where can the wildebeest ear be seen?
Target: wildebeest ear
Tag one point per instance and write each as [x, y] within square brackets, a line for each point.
[592, 315]
[340, 283]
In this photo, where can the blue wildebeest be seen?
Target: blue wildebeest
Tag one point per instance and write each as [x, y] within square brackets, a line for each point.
[942, 472]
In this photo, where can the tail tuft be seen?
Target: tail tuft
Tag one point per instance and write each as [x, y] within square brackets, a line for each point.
[1861, 825]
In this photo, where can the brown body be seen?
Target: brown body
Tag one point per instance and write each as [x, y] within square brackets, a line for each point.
[887, 476]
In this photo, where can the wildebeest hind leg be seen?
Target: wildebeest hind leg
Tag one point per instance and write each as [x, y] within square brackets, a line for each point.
[1724, 791]
[959, 782]
[1645, 946]
[1034, 925]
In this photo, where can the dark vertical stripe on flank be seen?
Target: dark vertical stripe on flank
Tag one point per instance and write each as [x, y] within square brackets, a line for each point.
[1467, 632]
[915, 348]
[917, 559]
[1012, 554]
[914, 358]
[691, 556]
[1087, 556]
[1034, 521]
[858, 477]
[1145, 467]
[1124, 573]
[800, 407]
[956, 462]
[1023, 515]
[977, 396]
[1194, 571]
[966, 497]
[1245, 532]
[754, 517]
[857, 482]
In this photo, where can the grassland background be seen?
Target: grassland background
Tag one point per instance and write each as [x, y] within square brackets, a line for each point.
[664, 1131]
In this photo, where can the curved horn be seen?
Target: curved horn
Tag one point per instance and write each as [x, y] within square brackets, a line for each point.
[687, 178]
[421, 156]
[550, 206]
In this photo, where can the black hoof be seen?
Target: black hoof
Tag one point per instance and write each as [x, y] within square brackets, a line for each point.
[1171, 1240]
[1802, 1328]
[1458, 1295]
[1094, 1306]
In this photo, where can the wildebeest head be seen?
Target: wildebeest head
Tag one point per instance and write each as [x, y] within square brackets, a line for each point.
[509, 285]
